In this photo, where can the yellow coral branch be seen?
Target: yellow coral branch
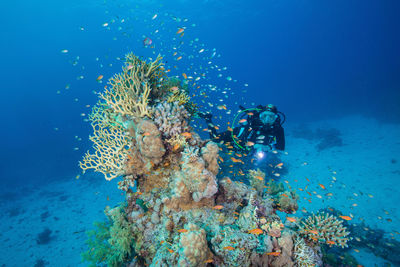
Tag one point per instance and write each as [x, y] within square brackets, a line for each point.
[110, 143]
[111, 150]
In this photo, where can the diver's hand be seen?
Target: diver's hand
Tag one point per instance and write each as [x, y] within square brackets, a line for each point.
[262, 148]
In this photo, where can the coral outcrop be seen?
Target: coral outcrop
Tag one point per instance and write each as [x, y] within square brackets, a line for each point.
[176, 212]
[325, 228]
[304, 255]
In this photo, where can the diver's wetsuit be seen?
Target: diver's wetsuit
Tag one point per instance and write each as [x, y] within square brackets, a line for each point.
[254, 131]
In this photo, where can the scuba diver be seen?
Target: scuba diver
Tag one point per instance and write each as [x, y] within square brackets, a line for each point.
[262, 129]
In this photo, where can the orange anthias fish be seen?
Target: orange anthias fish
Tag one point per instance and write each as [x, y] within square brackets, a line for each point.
[218, 207]
[249, 143]
[187, 134]
[256, 231]
[322, 186]
[330, 242]
[176, 147]
[291, 219]
[347, 218]
[146, 134]
[99, 78]
[182, 230]
[259, 178]
[229, 248]
[314, 232]
[236, 160]
[242, 120]
[180, 30]
[208, 261]
[276, 253]
[184, 75]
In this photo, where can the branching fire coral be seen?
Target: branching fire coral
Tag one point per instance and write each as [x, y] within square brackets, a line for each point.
[110, 142]
[325, 228]
[129, 91]
[178, 96]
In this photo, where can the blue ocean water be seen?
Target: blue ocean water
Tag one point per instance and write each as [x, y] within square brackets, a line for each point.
[324, 64]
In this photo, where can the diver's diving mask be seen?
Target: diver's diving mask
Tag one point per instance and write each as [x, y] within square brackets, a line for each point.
[268, 117]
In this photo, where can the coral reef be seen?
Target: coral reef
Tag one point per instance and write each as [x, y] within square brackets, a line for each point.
[112, 242]
[304, 255]
[176, 211]
[171, 118]
[285, 201]
[257, 180]
[110, 142]
[325, 228]
[194, 250]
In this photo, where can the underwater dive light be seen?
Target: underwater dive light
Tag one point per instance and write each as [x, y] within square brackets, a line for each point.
[260, 154]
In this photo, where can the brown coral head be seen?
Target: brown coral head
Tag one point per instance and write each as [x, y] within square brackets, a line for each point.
[275, 232]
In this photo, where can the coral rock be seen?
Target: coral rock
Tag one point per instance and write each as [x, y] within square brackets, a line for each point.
[149, 142]
[194, 249]
[210, 155]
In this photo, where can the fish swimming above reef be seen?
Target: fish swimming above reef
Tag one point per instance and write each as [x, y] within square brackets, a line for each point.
[147, 42]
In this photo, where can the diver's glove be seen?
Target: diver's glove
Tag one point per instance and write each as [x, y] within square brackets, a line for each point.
[262, 148]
